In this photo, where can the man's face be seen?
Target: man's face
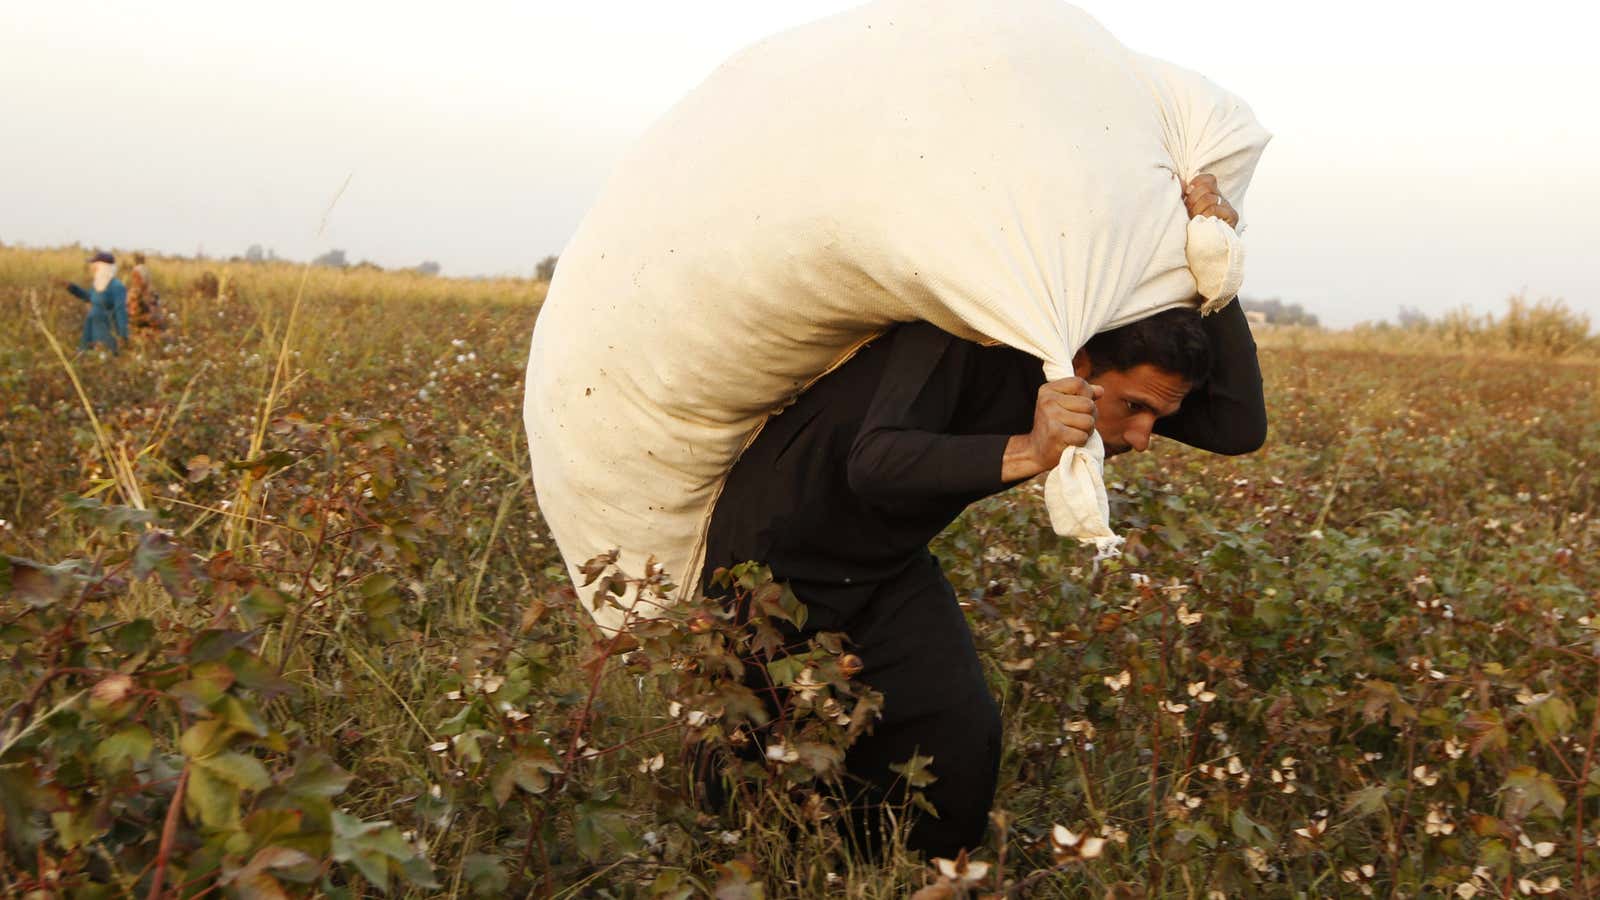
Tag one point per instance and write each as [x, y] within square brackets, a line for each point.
[1133, 400]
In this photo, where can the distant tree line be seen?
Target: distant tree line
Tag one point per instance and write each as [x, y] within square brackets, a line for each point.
[337, 259]
[1281, 313]
[1546, 327]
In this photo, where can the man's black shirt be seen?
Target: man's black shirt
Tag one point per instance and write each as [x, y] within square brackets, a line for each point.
[846, 487]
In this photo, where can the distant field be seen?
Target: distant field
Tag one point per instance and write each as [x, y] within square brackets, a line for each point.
[298, 574]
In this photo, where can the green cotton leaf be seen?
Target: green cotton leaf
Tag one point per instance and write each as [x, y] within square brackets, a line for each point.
[785, 670]
[377, 585]
[211, 801]
[372, 865]
[205, 738]
[316, 775]
[239, 769]
[285, 862]
[215, 643]
[380, 836]
[596, 823]
[32, 584]
[134, 636]
[819, 758]
[485, 875]
[120, 751]
[153, 553]
[1366, 801]
[265, 464]
[1488, 731]
[74, 830]
[737, 881]
[269, 826]
[673, 884]
[109, 519]
[262, 605]
[1552, 717]
[205, 689]
[255, 886]
[915, 771]
[242, 716]
[1187, 832]
[419, 872]
[1251, 832]
[530, 775]
[1528, 790]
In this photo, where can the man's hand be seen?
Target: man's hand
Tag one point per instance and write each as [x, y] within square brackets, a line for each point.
[1063, 416]
[1203, 198]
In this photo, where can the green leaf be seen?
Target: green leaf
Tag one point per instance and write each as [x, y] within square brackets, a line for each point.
[262, 605]
[418, 871]
[134, 636]
[206, 688]
[377, 585]
[1251, 832]
[915, 771]
[317, 775]
[73, 829]
[485, 875]
[270, 826]
[265, 464]
[596, 822]
[819, 758]
[211, 801]
[243, 716]
[120, 751]
[215, 643]
[1366, 801]
[31, 583]
[205, 738]
[1187, 832]
[1528, 790]
[239, 769]
[1552, 717]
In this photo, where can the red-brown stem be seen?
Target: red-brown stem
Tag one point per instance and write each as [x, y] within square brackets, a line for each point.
[1153, 877]
[1405, 813]
[169, 833]
[635, 739]
[289, 634]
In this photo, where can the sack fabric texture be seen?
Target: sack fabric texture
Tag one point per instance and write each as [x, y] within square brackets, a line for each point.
[1003, 169]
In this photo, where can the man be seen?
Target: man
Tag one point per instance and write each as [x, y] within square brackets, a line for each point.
[107, 317]
[144, 311]
[841, 493]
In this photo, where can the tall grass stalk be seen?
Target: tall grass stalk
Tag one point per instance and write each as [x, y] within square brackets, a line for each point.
[117, 467]
[239, 513]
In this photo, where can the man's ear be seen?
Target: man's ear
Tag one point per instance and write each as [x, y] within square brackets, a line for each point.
[1081, 366]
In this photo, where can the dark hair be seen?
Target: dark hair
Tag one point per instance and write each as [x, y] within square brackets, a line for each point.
[1172, 340]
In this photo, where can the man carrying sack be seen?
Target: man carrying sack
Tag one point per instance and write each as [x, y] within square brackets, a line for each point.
[841, 493]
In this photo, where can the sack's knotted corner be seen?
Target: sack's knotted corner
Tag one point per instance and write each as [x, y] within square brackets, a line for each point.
[1215, 254]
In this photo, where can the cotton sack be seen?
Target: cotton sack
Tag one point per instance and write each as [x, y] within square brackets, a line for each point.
[1003, 169]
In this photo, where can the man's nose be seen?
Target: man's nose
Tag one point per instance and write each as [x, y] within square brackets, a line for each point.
[1138, 437]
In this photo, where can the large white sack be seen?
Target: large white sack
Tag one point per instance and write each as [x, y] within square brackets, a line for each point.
[1005, 170]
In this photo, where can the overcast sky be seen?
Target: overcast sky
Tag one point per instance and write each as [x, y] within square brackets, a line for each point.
[1427, 154]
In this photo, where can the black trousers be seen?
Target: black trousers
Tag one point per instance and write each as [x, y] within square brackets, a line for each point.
[917, 649]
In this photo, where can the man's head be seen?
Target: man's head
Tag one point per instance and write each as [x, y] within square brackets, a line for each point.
[1146, 368]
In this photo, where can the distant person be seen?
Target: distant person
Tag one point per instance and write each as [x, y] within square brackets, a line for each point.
[107, 318]
[144, 304]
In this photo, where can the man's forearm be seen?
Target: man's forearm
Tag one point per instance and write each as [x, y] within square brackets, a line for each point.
[1019, 461]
